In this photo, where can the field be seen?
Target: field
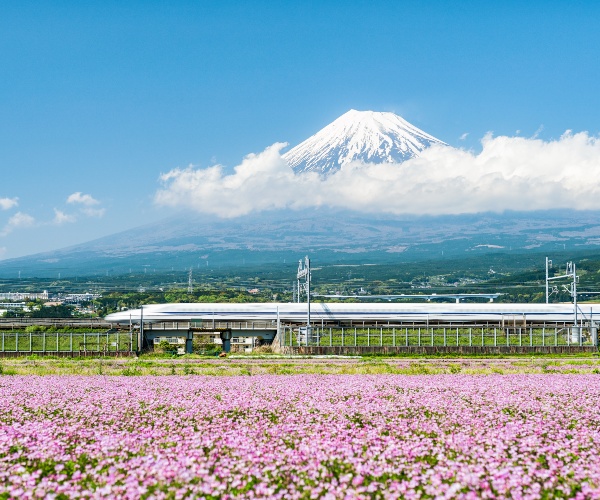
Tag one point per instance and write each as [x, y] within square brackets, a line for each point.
[310, 436]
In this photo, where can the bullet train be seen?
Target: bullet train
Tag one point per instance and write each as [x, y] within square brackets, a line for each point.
[338, 312]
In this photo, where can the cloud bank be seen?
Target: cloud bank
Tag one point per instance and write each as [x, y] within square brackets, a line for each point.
[510, 173]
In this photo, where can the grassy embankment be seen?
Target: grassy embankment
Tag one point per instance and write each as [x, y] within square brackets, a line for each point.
[247, 365]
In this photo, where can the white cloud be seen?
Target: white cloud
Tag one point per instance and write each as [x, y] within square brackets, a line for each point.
[8, 203]
[464, 136]
[83, 199]
[19, 220]
[61, 217]
[260, 182]
[510, 173]
[88, 202]
[93, 212]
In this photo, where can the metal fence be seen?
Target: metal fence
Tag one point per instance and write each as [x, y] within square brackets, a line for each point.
[49, 342]
[447, 336]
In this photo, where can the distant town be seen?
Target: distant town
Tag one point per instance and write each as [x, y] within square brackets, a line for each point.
[15, 303]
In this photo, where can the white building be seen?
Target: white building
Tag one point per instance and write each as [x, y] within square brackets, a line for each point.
[24, 296]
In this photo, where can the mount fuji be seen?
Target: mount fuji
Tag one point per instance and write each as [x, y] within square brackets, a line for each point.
[367, 136]
[338, 237]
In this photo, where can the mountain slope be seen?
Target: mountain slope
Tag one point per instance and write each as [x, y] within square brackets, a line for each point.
[368, 136]
[328, 236]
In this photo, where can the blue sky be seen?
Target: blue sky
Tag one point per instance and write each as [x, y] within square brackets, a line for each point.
[100, 98]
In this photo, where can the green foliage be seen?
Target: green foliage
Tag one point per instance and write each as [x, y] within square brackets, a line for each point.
[35, 328]
[167, 348]
[454, 368]
[59, 311]
[132, 371]
[188, 370]
[203, 346]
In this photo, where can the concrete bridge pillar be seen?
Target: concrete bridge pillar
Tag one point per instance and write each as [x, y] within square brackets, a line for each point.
[226, 339]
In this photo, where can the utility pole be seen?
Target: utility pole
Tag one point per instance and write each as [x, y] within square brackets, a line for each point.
[548, 264]
[570, 272]
[141, 334]
[304, 272]
[190, 287]
[308, 294]
[279, 329]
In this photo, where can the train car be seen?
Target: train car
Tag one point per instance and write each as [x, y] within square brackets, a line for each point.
[343, 312]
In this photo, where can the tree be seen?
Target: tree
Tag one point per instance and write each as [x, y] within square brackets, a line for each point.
[59, 311]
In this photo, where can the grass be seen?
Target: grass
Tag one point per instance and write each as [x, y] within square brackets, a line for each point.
[190, 366]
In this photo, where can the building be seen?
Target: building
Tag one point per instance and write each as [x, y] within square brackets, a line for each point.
[24, 296]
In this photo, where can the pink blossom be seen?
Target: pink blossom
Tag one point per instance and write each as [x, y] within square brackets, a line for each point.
[444, 436]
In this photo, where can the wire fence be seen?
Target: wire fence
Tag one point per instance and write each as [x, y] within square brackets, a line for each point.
[447, 336]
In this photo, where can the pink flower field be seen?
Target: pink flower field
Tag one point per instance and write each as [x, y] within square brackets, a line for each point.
[317, 436]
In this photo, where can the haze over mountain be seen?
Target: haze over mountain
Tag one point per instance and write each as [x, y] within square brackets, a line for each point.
[328, 236]
[367, 136]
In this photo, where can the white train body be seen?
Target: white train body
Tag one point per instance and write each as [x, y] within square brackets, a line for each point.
[336, 312]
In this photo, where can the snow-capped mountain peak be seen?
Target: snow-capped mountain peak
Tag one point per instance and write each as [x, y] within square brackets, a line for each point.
[368, 136]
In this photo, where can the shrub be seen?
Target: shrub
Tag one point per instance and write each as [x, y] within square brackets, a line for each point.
[204, 347]
[455, 368]
[263, 349]
[35, 328]
[167, 348]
